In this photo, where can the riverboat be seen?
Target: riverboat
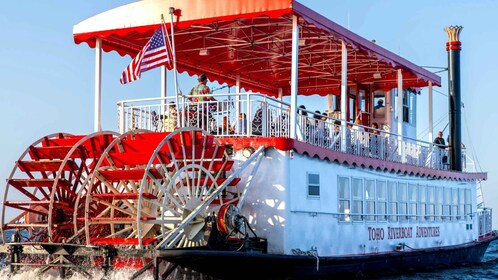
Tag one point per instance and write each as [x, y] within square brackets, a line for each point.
[249, 184]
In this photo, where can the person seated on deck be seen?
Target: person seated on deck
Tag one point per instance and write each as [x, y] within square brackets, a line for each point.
[318, 128]
[225, 128]
[336, 136]
[241, 126]
[170, 120]
[303, 122]
[374, 141]
[358, 136]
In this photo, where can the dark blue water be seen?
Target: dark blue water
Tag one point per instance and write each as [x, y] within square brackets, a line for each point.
[487, 269]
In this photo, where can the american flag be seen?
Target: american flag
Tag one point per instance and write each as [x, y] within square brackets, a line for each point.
[155, 53]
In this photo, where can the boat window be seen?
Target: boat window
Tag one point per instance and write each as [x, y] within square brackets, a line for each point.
[446, 204]
[403, 202]
[468, 205]
[431, 199]
[344, 196]
[412, 197]
[454, 204]
[422, 194]
[439, 204]
[393, 201]
[357, 205]
[313, 184]
[370, 200]
[461, 203]
[381, 201]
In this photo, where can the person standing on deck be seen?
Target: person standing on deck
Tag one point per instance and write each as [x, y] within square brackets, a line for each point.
[199, 94]
[440, 153]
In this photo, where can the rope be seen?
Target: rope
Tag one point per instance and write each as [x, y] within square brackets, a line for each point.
[312, 253]
[471, 145]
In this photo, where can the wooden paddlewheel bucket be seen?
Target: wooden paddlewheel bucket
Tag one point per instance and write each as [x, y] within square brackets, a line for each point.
[142, 189]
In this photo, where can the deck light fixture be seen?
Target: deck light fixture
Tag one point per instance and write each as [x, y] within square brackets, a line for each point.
[204, 52]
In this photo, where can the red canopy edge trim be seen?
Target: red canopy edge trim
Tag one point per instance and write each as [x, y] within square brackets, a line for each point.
[325, 24]
[90, 37]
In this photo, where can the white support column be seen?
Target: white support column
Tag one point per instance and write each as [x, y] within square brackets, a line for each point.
[294, 75]
[164, 82]
[344, 94]
[237, 103]
[431, 115]
[98, 86]
[431, 122]
[400, 115]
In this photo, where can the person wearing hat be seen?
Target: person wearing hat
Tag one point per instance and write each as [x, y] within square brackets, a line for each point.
[201, 89]
[200, 95]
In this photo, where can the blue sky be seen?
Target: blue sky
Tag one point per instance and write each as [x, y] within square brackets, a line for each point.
[47, 81]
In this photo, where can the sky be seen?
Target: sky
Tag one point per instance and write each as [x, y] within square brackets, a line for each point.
[47, 81]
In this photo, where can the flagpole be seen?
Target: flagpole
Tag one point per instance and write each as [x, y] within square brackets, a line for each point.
[177, 92]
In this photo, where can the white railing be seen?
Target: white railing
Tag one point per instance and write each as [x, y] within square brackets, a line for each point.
[253, 115]
[485, 221]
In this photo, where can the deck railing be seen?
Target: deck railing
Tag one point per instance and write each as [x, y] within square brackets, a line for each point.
[256, 115]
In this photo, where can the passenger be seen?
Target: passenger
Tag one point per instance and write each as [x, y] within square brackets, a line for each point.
[441, 157]
[326, 130]
[374, 143]
[375, 127]
[380, 104]
[201, 89]
[241, 126]
[359, 137]
[318, 128]
[202, 106]
[439, 140]
[170, 121]
[304, 123]
[225, 128]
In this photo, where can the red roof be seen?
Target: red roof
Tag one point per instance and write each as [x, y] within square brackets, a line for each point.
[252, 39]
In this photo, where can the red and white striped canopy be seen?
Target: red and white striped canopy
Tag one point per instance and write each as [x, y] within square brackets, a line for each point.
[253, 39]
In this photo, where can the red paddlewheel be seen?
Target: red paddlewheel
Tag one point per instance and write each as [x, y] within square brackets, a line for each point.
[156, 189]
[44, 184]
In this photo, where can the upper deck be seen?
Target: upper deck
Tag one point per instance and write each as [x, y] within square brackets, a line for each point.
[249, 115]
[269, 50]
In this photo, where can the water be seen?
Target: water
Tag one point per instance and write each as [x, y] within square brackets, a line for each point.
[486, 270]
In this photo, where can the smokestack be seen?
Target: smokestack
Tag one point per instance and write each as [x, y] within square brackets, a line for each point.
[453, 47]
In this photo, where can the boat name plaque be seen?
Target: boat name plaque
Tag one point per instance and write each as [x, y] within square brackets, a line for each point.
[375, 233]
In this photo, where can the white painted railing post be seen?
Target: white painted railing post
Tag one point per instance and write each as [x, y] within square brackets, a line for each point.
[98, 85]
[344, 94]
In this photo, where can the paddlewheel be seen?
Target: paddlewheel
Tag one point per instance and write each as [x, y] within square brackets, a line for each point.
[156, 190]
[45, 182]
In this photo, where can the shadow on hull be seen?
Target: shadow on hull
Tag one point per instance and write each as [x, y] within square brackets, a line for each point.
[251, 265]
